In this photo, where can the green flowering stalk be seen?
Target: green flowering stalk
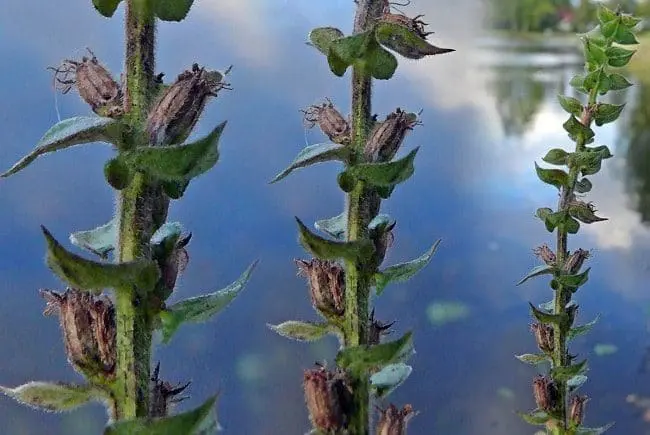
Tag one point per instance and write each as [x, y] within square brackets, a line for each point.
[108, 340]
[346, 263]
[559, 408]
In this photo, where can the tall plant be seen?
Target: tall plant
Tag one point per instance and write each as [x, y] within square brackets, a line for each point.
[108, 340]
[346, 264]
[559, 408]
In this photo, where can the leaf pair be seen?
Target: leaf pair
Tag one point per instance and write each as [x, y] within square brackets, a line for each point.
[166, 10]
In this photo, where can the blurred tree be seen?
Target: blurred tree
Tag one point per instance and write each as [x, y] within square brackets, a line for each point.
[636, 136]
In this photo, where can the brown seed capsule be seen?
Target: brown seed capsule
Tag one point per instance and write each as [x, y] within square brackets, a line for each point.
[377, 329]
[174, 115]
[544, 336]
[164, 395]
[577, 412]
[386, 137]
[94, 82]
[328, 398]
[330, 121]
[545, 254]
[88, 326]
[575, 261]
[175, 263]
[546, 393]
[382, 238]
[393, 421]
[326, 284]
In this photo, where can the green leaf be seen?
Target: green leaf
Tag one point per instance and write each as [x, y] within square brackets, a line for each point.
[619, 57]
[544, 317]
[172, 10]
[625, 37]
[618, 82]
[583, 186]
[381, 64]
[533, 359]
[571, 105]
[337, 66]
[606, 113]
[584, 212]
[90, 275]
[577, 131]
[574, 281]
[547, 306]
[334, 227]
[168, 233]
[348, 50]
[177, 162]
[605, 15]
[405, 41]
[576, 382]
[609, 29]
[50, 396]
[100, 241]
[389, 378]
[578, 82]
[117, 173]
[443, 312]
[604, 349]
[361, 359]
[70, 132]
[403, 271]
[556, 156]
[544, 269]
[312, 154]
[201, 308]
[594, 54]
[106, 7]
[386, 174]
[555, 177]
[330, 249]
[589, 162]
[536, 418]
[322, 38]
[593, 431]
[582, 329]
[564, 373]
[302, 331]
[194, 422]
[630, 21]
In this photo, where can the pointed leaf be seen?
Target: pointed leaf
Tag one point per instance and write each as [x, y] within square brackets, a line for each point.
[172, 10]
[350, 49]
[192, 422]
[406, 42]
[544, 269]
[583, 186]
[334, 227]
[403, 271]
[606, 113]
[556, 156]
[555, 177]
[584, 213]
[90, 275]
[605, 15]
[389, 378]
[177, 162]
[67, 133]
[574, 281]
[571, 105]
[566, 373]
[594, 431]
[322, 38]
[619, 57]
[547, 306]
[618, 82]
[536, 418]
[546, 317]
[577, 131]
[385, 174]
[201, 308]
[50, 396]
[302, 331]
[360, 359]
[331, 249]
[167, 231]
[106, 7]
[100, 241]
[533, 359]
[582, 329]
[322, 152]
[576, 382]
[381, 63]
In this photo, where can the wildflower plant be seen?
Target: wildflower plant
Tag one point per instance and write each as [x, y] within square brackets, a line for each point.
[559, 408]
[348, 256]
[108, 334]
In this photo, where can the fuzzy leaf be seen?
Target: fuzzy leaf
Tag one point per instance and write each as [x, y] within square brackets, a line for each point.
[168, 232]
[106, 7]
[302, 331]
[619, 57]
[566, 373]
[532, 359]
[177, 162]
[381, 63]
[172, 10]
[593, 431]
[555, 177]
[194, 422]
[360, 359]
[571, 105]
[389, 378]
[348, 50]
[405, 41]
[201, 308]
[94, 276]
[330, 249]
[624, 36]
[100, 241]
[403, 271]
[536, 418]
[594, 54]
[584, 213]
[67, 133]
[322, 152]
[618, 82]
[117, 173]
[334, 227]
[50, 396]
[577, 131]
[630, 21]
[578, 82]
[588, 162]
[385, 174]
[544, 269]
[574, 281]
[556, 156]
[547, 306]
[606, 113]
[576, 382]
[546, 317]
[605, 15]
[322, 38]
[582, 329]
[583, 186]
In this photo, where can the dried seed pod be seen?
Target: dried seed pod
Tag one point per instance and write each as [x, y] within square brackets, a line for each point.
[328, 399]
[546, 393]
[175, 263]
[88, 326]
[94, 82]
[330, 121]
[393, 421]
[174, 115]
[163, 395]
[545, 254]
[377, 329]
[383, 238]
[544, 336]
[577, 409]
[575, 261]
[386, 137]
[326, 285]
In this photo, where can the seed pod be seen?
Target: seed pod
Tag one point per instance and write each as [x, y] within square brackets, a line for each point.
[386, 137]
[377, 329]
[577, 410]
[174, 115]
[94, 82]
[575, 261]
[544, 336]
[328, 399]
[326, 285]
[393, 421]
[546, 393]
[383, 238]
[163, 395]
[88, 326]
[330, 121]
[546, 254]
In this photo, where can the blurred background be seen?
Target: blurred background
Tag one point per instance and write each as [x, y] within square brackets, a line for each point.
[489, 112]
